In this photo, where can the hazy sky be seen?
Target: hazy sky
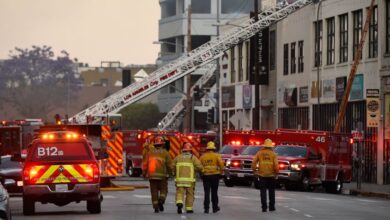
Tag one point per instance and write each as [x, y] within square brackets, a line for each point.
[90, 30]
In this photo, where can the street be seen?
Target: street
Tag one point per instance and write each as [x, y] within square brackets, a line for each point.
[236, 203]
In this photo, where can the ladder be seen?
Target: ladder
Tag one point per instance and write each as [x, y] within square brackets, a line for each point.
[167, 121]
[344, 102]
[187, 63]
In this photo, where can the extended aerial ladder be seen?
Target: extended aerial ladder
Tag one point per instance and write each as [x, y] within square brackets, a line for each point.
[172, 115]
[187, 62]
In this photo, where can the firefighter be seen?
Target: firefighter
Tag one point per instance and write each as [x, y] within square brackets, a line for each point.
[157, 168]
[185, 166]
[213, 168]
[265, 164]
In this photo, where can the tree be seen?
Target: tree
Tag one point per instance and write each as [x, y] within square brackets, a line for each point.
[141, 116]
[35, 82]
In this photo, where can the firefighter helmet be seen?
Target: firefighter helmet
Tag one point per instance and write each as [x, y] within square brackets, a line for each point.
[187, 147]
[211, 146]
[159, 141]
[268, 143]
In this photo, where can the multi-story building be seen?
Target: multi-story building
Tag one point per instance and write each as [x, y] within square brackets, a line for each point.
[206, 15]
[310, 54]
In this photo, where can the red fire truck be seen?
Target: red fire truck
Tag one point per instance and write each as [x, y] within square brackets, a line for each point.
[312, 158]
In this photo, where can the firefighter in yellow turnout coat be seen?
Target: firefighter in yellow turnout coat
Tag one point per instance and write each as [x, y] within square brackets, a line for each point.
[157, 167]
[185, 166]
[265, 163]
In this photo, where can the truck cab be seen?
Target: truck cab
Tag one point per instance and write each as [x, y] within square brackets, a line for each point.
[60, 168]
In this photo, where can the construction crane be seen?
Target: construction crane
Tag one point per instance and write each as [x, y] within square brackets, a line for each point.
[187, 63]
[358, 54]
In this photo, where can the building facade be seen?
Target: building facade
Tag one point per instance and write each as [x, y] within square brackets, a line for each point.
[310, 54]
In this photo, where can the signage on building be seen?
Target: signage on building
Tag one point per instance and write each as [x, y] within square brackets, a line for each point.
[329, 88]
[341, 82]
[387, 116]
[303, 94]
[373, 108]
[357, 88]
[386, 87]
[247, 96]
[264, 56]
[314, 89]
[228, 96]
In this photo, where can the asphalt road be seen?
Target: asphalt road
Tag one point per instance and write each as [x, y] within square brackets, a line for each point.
[241, 203]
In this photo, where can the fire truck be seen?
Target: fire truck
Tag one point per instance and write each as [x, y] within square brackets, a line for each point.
[238, 155]
[106, 144]
[313, 158]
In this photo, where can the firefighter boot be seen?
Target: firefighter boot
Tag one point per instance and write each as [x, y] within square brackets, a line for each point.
[161, 206]
[179, 208]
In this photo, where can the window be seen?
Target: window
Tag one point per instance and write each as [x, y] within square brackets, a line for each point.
[168, 8]
[293, 63]
[240, 58]
[373, 34]
[318, 43]
[343, 19]
[300, 56]
[285, 60]
[201, 7]
[388, 26]
[357, 30]
[232, 66]
[272, 50]
[330, 41]
[236, 6]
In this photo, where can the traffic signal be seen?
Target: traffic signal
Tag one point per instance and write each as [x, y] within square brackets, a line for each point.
[57, 117]
[210, 116]
[198, 93]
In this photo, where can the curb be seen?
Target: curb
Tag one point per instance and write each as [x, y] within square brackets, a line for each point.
[117, 189]
[355, 192]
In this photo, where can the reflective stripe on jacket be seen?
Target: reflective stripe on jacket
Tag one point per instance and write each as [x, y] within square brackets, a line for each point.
[157, 164]
[185, 166]
[265, 163]
[212, 163]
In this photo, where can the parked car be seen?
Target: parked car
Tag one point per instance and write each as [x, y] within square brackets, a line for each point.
[12, 172]
[5, 211]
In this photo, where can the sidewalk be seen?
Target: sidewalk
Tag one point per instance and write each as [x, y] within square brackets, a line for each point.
[368, 189]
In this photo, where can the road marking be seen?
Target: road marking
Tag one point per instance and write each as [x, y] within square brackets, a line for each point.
[295, 210]
[309, 216]
[16, 198]
[366, 200]
[109, 197]
[183, 217]
[320, 198]
[282, 198]
[142, 196]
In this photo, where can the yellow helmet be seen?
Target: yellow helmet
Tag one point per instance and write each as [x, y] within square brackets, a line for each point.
[187, 147]
[211, 146]
[268, 143]
[159, 140]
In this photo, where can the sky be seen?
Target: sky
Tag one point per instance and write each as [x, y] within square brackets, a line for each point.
[89, 30]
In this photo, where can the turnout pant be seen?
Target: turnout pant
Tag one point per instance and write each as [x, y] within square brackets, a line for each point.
[188, 192]
[267, 183]
[159, 191]
[210, 183]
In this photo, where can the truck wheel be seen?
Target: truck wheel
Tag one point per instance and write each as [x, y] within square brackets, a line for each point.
[334, 187]
[28, 206]
[228, 182]
[305, 184]
[289, 186]
[94, 206]
[248, 183]
[130, 171]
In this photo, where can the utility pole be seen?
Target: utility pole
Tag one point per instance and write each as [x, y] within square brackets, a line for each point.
[188, 115]
[217, 99]
[256, 110]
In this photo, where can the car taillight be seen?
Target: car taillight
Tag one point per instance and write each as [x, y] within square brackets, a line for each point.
[29, 173]
[92, 170]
